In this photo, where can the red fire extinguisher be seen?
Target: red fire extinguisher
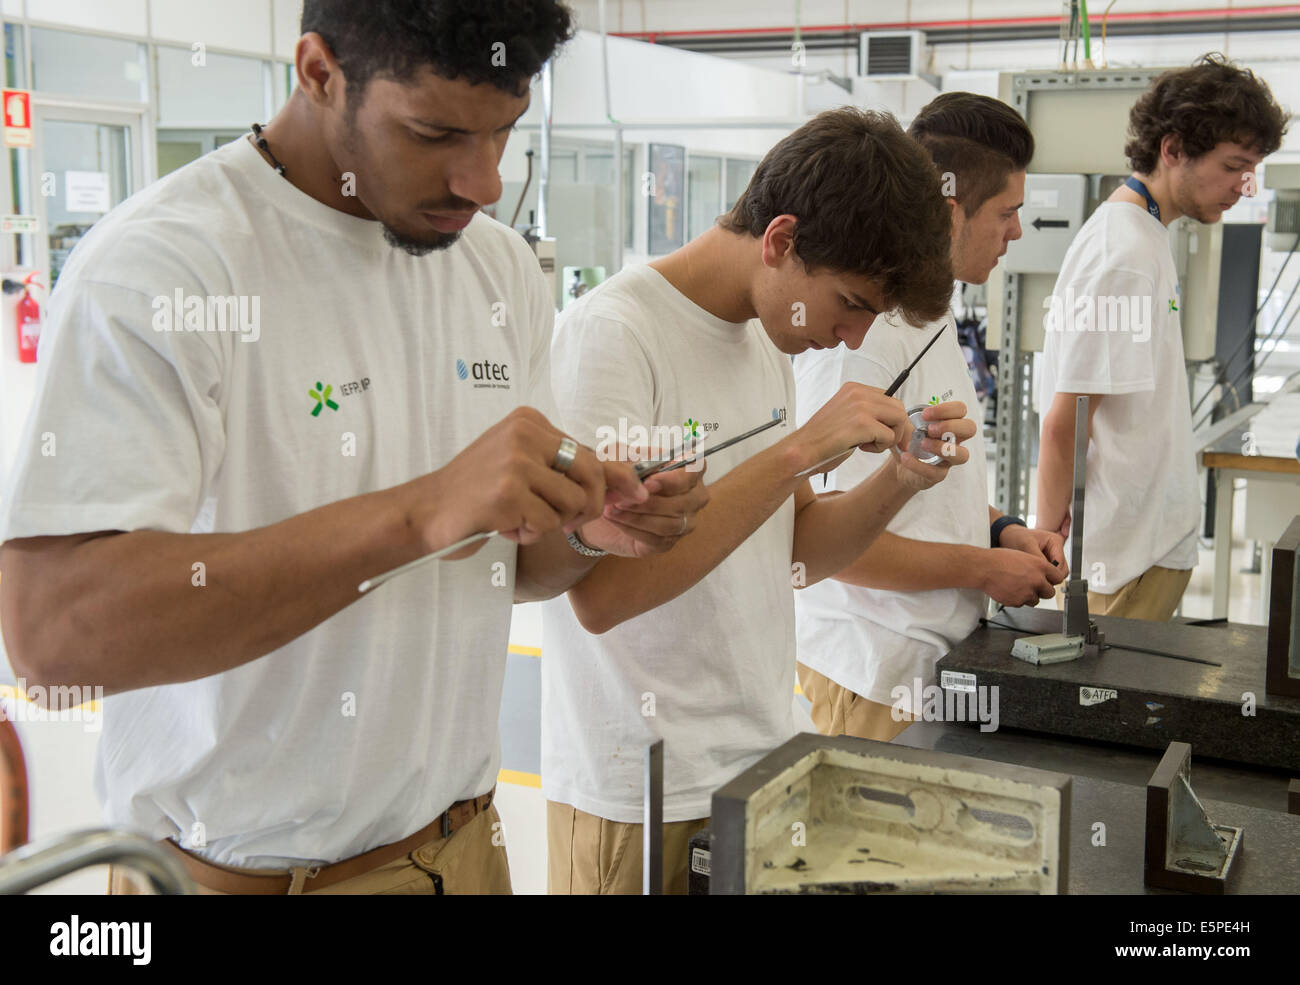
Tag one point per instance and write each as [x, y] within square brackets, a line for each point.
[29, 321]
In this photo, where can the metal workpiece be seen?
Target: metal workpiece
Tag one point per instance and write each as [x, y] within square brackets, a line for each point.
[34, 865]
[1185, 850]
[652, 827]
[1052, 648]
[846, 815]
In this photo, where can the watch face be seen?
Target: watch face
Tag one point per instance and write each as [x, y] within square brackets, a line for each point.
[919, 425]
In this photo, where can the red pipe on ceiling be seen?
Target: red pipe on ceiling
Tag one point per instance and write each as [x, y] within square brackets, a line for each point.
[1228, 13]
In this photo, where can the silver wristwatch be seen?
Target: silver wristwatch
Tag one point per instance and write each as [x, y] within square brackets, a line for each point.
[576, 543]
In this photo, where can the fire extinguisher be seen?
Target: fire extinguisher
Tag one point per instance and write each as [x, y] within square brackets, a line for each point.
[29, 321]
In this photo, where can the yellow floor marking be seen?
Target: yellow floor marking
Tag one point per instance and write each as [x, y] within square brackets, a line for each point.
[518, 779]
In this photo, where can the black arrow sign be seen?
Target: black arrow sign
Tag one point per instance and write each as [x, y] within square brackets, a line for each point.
[1051, 223]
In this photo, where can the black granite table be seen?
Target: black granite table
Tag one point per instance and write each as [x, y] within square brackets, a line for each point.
[1157, 700]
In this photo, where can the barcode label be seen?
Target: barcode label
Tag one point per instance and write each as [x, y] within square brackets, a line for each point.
[700, 860]
[952, 680]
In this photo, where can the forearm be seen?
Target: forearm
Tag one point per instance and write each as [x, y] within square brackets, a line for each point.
[900, 564]
[549, 568]
[618, 589]
[131, 610]
[1055, 475]
[831, 532]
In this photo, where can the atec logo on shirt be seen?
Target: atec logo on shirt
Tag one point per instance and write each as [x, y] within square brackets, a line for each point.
[486, 374]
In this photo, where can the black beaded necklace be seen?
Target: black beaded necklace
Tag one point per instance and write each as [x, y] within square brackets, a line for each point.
[262, 144]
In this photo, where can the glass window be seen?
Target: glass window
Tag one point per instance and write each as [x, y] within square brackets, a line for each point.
[15, 57]
[70, 64]
[703, 193]
[176, 148]
[600, 171]
[283, 79]
[174, 154]
[738, 175]
[564, 165]
[224, 90]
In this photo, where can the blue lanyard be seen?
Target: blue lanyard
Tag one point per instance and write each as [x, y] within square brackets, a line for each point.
[1141, 189]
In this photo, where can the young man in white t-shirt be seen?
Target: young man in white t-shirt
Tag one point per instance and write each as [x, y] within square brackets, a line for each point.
[870, 636]
[1112, 333]
[203, 486]
[842, 221]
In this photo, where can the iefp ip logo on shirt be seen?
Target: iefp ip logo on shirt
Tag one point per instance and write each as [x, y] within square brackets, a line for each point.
[322, 394]
[486, 374]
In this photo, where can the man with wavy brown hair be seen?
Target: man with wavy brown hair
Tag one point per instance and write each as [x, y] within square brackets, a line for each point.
[842, 221]
[1195, 138]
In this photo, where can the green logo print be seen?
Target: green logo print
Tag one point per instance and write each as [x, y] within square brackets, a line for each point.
[934, 400]
[322, 397]
[692, 427]
[1172, 306]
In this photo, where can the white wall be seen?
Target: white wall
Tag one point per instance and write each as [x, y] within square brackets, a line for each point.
[1275, 56]
[260, 27]
[650, 83]
[118, 16]
[244, 25]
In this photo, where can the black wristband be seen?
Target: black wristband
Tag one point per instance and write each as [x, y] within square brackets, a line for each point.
[1000, 524]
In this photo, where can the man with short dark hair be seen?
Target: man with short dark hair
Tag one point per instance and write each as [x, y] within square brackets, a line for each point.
[196, 544]
[1196, 137]
[841, 222]
[882, 622]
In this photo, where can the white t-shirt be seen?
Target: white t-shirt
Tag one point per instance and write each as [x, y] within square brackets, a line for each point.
[711, 672]
[364, 729]
[1114, 330]
[870, 640]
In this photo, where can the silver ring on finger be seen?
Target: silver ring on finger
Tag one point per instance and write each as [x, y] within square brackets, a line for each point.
[685, 520]
[564, 458]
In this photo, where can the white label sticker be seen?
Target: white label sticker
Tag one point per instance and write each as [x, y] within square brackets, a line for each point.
[87, 191]
[953, 680]
[700, 861]
[1044, 198]
[1096, 695]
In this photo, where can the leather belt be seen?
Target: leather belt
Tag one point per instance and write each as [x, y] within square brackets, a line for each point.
[281, 882]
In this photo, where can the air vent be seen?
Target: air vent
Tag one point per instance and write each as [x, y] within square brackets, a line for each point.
[886, 55]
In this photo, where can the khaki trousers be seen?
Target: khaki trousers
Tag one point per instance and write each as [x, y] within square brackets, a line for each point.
[1152, 595]
[838, 711]
[471, 861]
[589, 855]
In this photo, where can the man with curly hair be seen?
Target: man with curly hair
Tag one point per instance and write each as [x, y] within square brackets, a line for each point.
[1196, 137]
[196, 544]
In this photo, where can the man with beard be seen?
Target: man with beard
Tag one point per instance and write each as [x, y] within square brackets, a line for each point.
[196, 541]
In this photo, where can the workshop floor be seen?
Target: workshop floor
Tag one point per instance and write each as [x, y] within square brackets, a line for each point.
[60, 755]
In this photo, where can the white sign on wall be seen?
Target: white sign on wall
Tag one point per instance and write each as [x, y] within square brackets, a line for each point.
[87, 191]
